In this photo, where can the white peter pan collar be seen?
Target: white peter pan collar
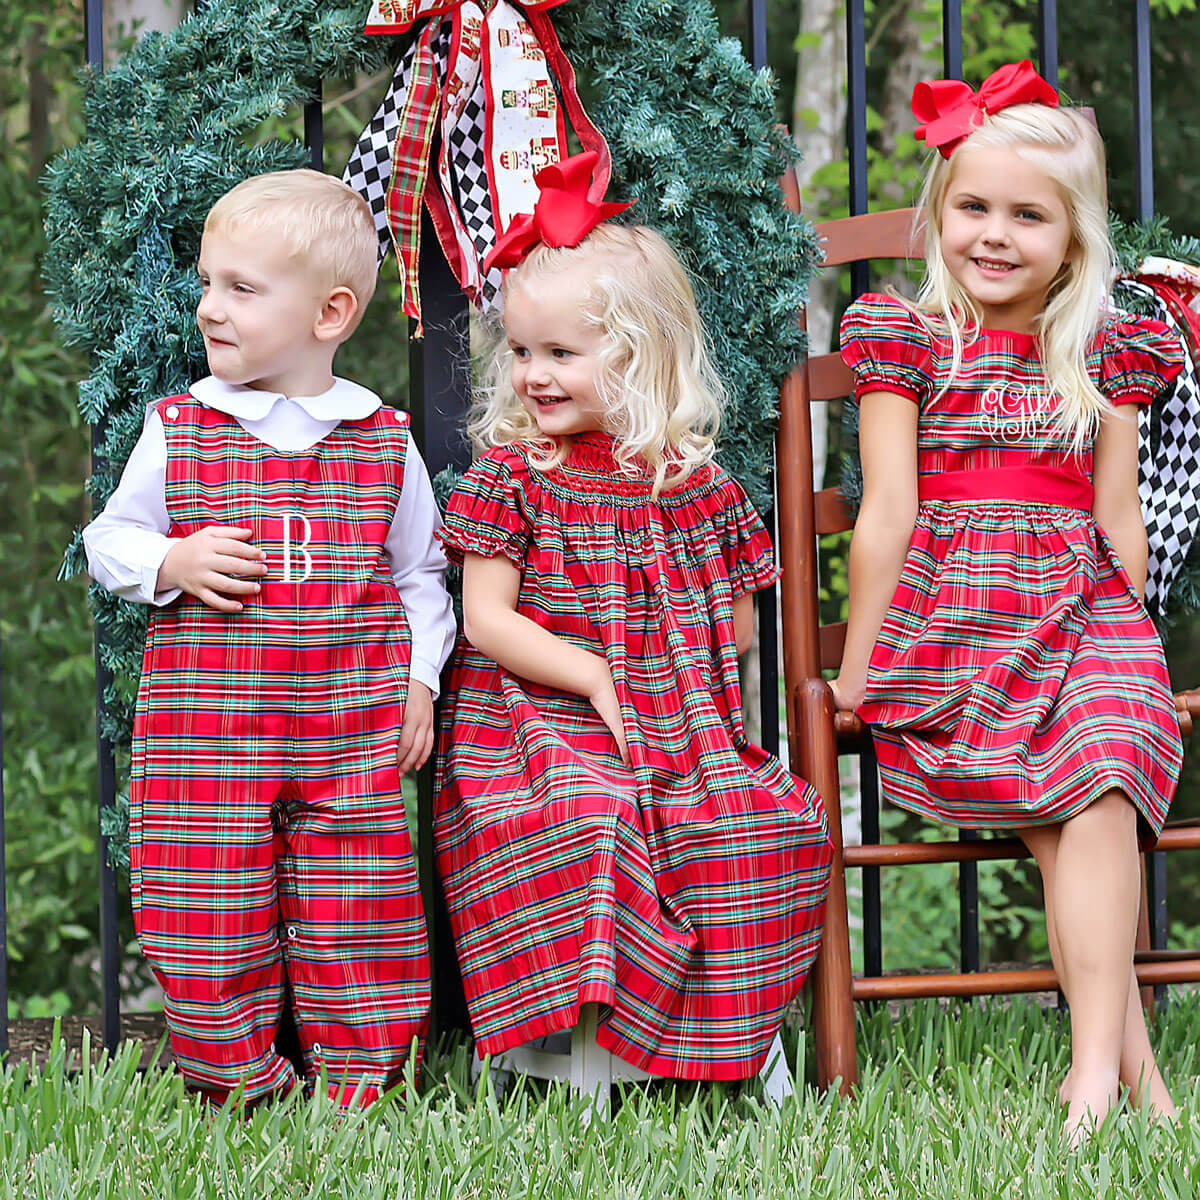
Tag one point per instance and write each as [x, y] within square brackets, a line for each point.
[344, 401]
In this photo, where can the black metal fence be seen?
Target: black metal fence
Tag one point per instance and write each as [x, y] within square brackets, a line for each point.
[439, 386]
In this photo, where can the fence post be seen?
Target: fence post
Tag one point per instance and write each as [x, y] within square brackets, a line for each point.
[952, 32]
[110, 946]
[1143, 127]
[765, 599]
[3, 902]
[1156, 861]
[1048, 40]
[439, 387]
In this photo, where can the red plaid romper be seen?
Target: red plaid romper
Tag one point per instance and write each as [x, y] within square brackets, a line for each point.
[269, 842]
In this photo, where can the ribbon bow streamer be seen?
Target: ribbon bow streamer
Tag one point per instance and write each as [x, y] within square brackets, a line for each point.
[482, 74]
[1169, 455]
[949, 110]
[564, 213]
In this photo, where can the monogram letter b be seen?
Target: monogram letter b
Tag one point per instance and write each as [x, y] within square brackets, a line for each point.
[299, 548]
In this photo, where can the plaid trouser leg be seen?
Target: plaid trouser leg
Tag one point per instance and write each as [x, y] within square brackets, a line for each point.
[355, 930]
[206, 910]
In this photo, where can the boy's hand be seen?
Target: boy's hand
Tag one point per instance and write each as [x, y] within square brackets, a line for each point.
[416, 735]
[212, 565]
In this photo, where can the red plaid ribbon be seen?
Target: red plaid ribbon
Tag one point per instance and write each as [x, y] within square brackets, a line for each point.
[501, 120]
[410, 168]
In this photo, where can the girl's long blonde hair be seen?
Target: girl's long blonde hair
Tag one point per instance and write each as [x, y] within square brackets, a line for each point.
[663, 396]
[1067, 147]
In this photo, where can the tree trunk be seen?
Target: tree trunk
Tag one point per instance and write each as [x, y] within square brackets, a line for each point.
[818, 129]
[912, 51]
[39, 100]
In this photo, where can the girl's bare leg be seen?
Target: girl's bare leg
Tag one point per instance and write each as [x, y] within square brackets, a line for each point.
[1042, 841]
[1095, 899]
[1139, 1068]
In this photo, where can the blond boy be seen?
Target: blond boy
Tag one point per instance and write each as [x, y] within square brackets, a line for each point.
[280, 524]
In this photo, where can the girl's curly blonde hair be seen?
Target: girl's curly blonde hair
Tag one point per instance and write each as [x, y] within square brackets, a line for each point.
[663, 396]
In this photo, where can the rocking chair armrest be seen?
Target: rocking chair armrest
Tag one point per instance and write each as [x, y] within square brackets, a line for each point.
[848, 724]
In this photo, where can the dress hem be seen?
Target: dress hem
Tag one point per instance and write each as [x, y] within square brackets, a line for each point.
[564, 1019]
[1148, 828]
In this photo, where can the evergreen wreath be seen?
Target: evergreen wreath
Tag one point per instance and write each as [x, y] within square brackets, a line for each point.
[693, 137]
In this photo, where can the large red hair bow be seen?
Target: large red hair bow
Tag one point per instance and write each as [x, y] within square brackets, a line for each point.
[565, 212]
[948, 110]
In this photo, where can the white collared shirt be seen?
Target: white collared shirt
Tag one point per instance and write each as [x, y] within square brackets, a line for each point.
[127, 542]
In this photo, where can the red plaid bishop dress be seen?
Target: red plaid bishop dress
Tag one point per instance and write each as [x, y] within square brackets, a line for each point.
[1017, 676]
[684, 896]
[269, 843]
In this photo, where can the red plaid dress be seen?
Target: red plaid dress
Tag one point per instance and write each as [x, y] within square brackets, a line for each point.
[1017, 676]
[269, 842]
[684, 895]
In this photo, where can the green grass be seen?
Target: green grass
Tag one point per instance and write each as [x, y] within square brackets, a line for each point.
[952, 1104]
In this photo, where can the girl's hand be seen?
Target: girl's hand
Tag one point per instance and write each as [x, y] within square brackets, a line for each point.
[603, 698]
[416, 734]
[212, 565]
[522, 647]
[847, 693]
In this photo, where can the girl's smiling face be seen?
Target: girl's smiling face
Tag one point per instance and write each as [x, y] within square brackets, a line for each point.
[1005, 234]
[555, 365]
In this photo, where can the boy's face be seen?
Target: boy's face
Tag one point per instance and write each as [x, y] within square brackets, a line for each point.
[259, 312]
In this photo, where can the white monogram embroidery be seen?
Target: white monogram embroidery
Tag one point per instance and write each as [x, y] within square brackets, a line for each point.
[290, 547]
[1016, 412]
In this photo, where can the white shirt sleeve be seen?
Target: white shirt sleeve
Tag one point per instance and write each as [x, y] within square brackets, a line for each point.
[418, 566]
[127, 542]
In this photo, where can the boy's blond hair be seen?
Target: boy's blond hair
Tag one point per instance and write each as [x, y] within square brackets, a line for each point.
[656, 376]
[323, 221]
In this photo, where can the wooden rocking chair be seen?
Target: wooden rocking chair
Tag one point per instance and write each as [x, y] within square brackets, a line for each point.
[817, 734]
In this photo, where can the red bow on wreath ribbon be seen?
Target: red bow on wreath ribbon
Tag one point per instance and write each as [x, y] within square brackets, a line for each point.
[564, 214]
[482, 75]
[949, 110]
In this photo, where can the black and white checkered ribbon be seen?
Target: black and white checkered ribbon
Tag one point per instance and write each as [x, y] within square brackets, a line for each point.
[469, 165]
[369, 169]
[1168, 462]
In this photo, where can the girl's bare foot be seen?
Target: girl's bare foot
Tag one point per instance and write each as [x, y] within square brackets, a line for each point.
[1092, 1097]
[1064, 1089]
[1159, 1102]
[1152, 1094]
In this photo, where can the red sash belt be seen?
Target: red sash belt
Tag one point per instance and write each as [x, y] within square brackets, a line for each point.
[1026, 485]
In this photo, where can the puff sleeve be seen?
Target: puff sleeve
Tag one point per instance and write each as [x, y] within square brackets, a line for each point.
[745, 543]
[887, 348]
[488, 512]
[1139, 360]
